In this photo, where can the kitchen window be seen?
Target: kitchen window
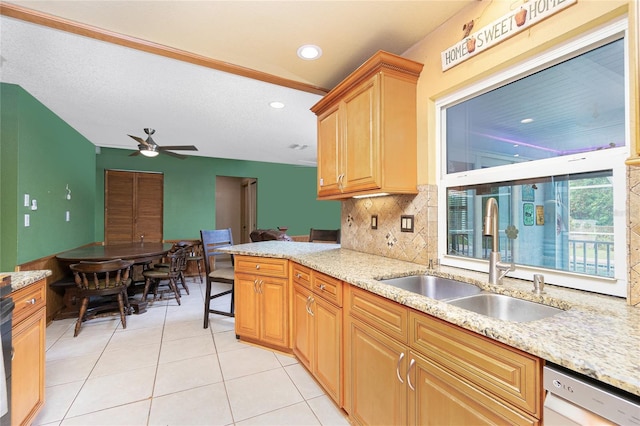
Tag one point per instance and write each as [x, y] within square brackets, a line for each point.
[547, 139]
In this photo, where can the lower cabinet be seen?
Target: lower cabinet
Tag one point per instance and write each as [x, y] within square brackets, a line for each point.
[405, 367]
[28, 362]
[440, 397]
[317, 324]
[262, 300]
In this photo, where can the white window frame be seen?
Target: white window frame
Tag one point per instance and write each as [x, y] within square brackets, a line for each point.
[613, 159]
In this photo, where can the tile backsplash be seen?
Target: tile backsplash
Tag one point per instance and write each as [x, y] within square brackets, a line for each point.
[387, 240]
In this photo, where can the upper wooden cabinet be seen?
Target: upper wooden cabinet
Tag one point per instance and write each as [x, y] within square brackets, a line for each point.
[367, 130]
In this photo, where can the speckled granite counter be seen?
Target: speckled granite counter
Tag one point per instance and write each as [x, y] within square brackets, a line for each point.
[598, 336]
[24, 278]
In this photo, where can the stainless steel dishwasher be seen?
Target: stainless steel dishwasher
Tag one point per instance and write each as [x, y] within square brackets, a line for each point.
[573, 399]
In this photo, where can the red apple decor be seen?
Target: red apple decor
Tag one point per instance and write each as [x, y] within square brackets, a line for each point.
[471, 44]
[521, 17]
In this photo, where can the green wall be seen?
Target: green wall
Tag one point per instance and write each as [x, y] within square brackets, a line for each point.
[286, 193]
[40, 155]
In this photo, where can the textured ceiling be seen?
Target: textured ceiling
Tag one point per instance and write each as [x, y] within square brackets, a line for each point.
[106, 91]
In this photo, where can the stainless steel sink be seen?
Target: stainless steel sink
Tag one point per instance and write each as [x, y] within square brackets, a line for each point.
[434, 287]
[505, 307]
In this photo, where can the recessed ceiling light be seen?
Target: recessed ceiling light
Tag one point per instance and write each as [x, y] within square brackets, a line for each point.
[276, 105]
[298, 146]
[309, 52]
[526, 120]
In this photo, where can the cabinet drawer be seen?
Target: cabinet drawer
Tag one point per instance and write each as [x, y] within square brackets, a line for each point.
[508, 373]
[328, 287]
[385, 315]
[28, 300]
[301, 275]
[267, 266]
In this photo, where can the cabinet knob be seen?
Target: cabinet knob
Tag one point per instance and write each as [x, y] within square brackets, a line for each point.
[298, 275]
[31, 301]
[257, 266]
[322, 286]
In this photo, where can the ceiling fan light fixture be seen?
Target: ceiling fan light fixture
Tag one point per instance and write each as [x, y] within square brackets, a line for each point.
[309, 52]
[147, 152]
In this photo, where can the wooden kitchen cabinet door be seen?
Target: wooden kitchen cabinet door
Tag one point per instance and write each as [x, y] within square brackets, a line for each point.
[302, 326]
[133, 206]
[328, 347]
[374, 362]
[362, 138]
[262, 308]
[28, 368]
[442, 398]
[329, 166]
[274, 309]
[247, 313]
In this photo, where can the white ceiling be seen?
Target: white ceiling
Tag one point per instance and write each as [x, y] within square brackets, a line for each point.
[106, 91]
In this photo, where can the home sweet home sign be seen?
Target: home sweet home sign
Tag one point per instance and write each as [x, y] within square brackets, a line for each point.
[530, 13]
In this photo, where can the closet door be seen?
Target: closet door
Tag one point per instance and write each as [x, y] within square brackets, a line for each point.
[133, 204]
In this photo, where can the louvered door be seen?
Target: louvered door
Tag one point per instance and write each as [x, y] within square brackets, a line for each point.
[133, 206]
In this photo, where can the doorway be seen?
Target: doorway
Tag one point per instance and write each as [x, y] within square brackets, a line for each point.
[236, 200]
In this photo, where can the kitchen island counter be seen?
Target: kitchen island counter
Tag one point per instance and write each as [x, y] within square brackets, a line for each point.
[596, 335]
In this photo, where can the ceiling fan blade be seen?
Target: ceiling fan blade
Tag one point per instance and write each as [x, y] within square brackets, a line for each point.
[173, 154]
[178, 148]
[139, 140]
[134, 154]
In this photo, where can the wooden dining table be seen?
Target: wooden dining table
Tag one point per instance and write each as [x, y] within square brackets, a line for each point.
[139, 253]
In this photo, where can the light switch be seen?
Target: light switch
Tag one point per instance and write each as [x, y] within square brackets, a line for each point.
[67, 216]
[406, 223]
[26, 220]
[374, 221]
[26, 200]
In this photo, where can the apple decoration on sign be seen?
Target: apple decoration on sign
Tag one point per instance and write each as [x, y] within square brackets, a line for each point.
[521, 17]
[471, 44]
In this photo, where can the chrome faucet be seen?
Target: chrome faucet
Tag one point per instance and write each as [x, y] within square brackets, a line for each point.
[497, 269]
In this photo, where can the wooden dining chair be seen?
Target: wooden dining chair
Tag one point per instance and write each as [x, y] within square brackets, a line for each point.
[188, 246]
[102, 279]
[217, 268]
[324, 235]
[171, 275]
[195, 255]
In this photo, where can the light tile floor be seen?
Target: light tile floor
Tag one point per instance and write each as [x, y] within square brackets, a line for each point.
[165, 369]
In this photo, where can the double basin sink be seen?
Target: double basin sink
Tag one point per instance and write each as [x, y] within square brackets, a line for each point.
[472, 298]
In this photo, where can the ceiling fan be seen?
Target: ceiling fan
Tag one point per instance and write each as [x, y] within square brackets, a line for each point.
[149, 148]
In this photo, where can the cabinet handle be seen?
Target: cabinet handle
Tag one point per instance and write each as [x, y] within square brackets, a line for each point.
[32, 301]
[255, 286]
[411, 364]
[310, 302]
[307, 305]
[398, 367]
[261, 287]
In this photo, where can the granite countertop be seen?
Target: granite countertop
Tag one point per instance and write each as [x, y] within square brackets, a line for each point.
[596, 335]
[24, 278]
